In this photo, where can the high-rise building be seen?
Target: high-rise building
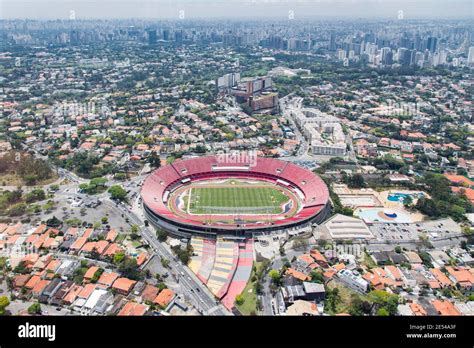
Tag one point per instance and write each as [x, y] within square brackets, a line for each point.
[332, 42]
[470, 56]
[152, 37]
[432, 44]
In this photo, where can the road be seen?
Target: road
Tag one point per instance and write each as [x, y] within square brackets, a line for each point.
[191, 286]
[286, 107]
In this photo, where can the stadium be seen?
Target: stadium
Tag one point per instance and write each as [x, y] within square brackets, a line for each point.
[210, 197]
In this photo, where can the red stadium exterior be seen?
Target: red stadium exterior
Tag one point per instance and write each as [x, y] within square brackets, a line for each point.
[312, 192]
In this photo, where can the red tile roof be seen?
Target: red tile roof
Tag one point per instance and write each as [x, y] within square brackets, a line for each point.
[164, 298]
[133, 309]
[124, 284]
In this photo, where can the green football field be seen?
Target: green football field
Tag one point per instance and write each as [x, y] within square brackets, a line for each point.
[235, 200]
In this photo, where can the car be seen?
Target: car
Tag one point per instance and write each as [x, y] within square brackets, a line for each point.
[197, 289]
[58, 309]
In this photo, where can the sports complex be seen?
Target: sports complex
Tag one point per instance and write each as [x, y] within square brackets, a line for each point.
[209, 197]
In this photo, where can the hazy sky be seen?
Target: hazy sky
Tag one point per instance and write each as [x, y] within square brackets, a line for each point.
[85, 9]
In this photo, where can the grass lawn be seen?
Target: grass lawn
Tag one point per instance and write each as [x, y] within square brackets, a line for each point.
[229, 200]
[250, 295]
[346, 296]
[120, 238]
[368, 261]
[136, 244]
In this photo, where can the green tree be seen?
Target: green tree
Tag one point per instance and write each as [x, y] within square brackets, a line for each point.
[118, 258]
[4, 302]
[129, 269]
[35, 308]
[356, 181]
[118, 193]
[333, 298]
[161, 235]
[274, 276]
[239, 300]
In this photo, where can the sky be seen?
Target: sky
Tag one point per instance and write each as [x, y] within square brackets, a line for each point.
[241, 9]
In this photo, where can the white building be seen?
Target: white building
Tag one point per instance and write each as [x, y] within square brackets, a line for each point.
[352, 280]
[324, 132]
[470, 56]
[347, 227]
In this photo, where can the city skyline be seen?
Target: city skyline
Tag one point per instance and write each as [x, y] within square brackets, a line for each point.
[238, 9]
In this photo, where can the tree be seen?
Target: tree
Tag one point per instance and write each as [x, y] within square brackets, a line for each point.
[4, 302]
[35, 195]
[118, 258]
[382, 312]
[165, 263]
[118, 193]
[53, 222]
[184, 254]
[386, 300]
[317, 277]
[356, 181]
[129, 269]
[239, 300]
[35, 308]
[333, 298]
[275, 276]
[359, 307]
[21, 268]
[154, 160]
[161, 235]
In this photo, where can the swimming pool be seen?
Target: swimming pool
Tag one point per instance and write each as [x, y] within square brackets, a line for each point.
[400, 197]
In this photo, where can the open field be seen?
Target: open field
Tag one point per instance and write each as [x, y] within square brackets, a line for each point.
[234, 200]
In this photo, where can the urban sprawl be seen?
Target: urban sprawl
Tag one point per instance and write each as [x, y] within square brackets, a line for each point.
[381, 111]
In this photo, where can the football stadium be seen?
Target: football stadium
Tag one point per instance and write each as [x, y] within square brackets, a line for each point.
[210, 197]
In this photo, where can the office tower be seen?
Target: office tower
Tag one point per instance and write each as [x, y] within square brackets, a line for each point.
[152, 37]
[470, 56]
[332, 42]
[432, 44]
[386, 56]
[419, 58]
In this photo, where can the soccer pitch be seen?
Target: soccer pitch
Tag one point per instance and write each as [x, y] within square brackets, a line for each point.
[235, 200]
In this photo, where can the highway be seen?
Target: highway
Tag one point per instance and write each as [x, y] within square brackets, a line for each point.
[191, 286]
